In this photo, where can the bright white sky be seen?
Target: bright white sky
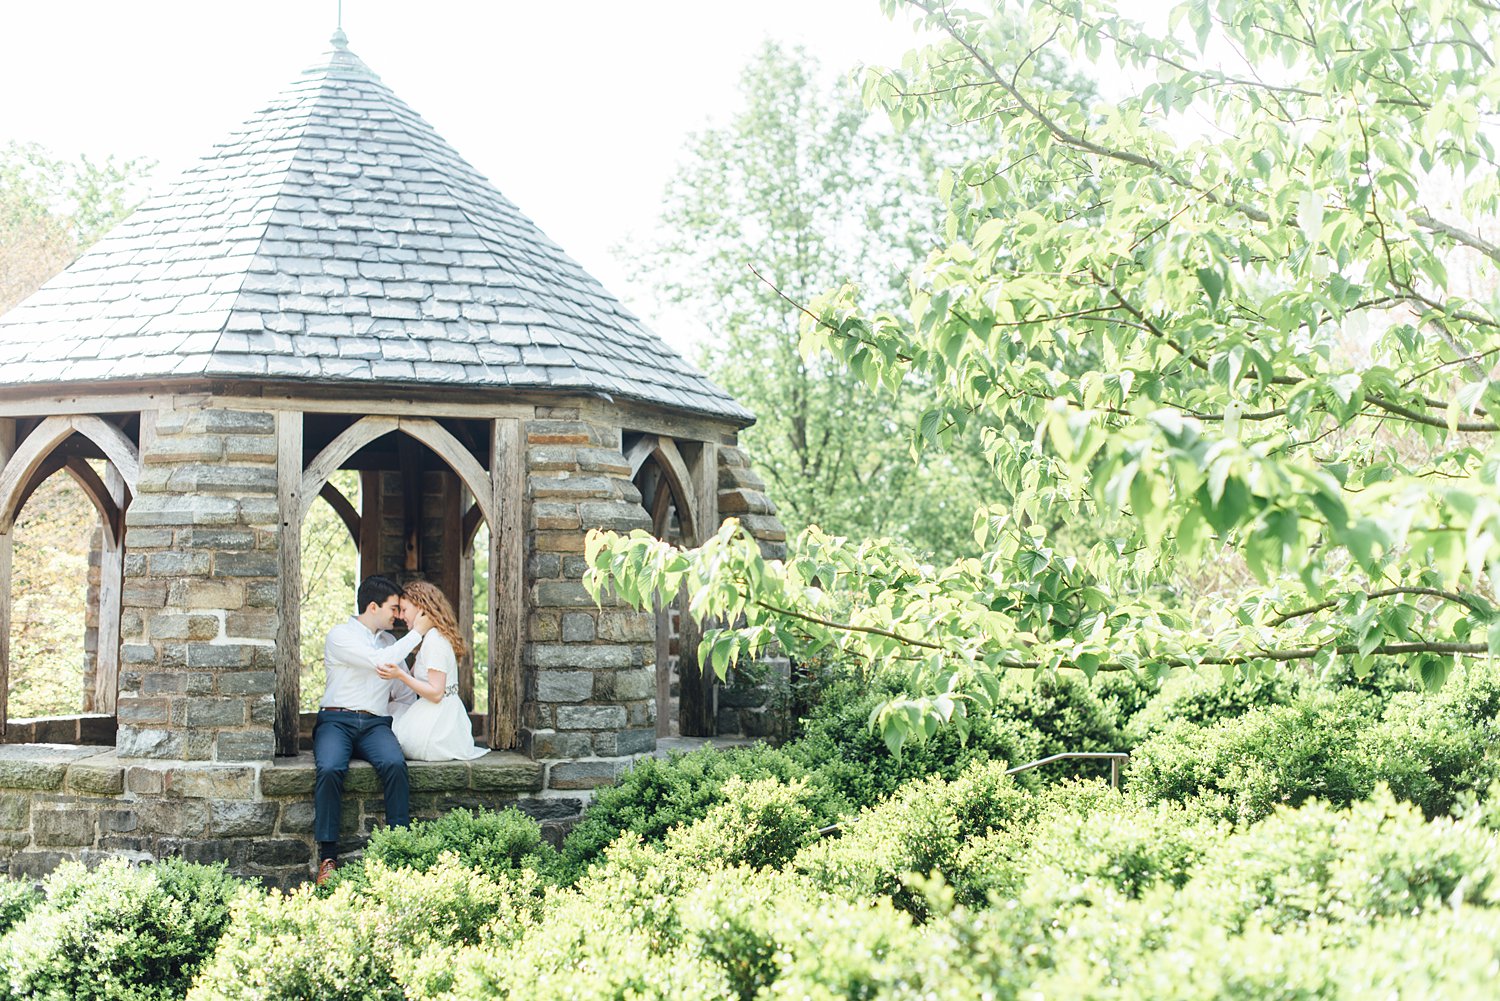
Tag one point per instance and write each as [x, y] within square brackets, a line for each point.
[577, 110]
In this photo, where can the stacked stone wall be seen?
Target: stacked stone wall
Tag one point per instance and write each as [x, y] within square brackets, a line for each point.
[590, 696]
[198, 623]
[80, 803]
[748, 702]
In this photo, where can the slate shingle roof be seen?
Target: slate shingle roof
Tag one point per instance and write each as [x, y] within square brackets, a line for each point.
[336, 238]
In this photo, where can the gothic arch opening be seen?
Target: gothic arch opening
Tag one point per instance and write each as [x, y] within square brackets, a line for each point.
[415, 500]
[685, 695]
[64, 487]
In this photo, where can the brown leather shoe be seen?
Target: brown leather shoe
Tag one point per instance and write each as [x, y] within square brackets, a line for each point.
[326, 869]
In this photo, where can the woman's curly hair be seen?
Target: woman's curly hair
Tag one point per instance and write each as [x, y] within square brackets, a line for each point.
[429, 599]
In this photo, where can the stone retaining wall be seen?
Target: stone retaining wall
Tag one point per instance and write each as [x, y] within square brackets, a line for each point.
[60, 803]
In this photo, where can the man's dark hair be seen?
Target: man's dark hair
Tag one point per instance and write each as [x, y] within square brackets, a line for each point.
[375, 590]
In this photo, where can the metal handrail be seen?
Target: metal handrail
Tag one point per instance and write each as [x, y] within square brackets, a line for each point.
[1114, 757]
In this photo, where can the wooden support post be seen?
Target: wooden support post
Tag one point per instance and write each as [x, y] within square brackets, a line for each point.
[695, 682]
[663, 669]
[111, 589]
[409, 455]
[7, 450]
[289, 600]
[370, 517]
[697, 708]
[705, 472]
[450, 532]
[466, 624]
[507, 581]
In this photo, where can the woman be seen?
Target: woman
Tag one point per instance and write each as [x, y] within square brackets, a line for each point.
[436, 727]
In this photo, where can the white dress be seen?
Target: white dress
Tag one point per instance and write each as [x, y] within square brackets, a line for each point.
[436, 731]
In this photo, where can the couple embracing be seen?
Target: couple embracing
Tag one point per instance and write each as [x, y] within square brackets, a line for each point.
[374, 709]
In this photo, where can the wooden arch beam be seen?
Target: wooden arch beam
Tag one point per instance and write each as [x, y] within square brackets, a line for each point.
[640, 452]
[343, 508]
[119, 449]
[32, 453]
[428, 432]
[95, 490]
[337, 452]
[473, 518]
[88, 480]
[52, 464]
[677, 478]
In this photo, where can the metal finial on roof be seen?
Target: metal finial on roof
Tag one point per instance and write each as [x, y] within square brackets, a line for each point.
[339, 39]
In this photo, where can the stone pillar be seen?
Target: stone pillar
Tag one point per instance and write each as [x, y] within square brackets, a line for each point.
[747, 699]
[742, 495]
[590, 693]
[200, 589]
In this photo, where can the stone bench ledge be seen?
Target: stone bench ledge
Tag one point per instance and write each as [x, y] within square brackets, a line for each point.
[497, 771]
[45, 767]
[92, 771]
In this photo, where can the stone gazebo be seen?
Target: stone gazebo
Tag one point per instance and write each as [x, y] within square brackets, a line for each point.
[334, 288]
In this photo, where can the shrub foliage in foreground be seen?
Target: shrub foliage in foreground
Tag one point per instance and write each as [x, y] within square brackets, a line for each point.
[495, 843]
[117, 933]
[1104, 895]
[359, 942]
[1282, 869]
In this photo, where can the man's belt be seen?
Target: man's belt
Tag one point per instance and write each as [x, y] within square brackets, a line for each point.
[341, 709]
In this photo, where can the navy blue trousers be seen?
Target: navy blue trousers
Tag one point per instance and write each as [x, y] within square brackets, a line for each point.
[339, 736]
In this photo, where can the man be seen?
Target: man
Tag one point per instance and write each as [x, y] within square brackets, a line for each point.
[352, 717]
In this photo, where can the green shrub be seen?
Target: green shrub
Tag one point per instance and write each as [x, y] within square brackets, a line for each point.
[617, 935]
[1204, 698]
[839, 745]
[1376, 859]
[1148, 950]
[727, 919]
[1384, 677]
[117, 931]
[760, 824]
[1118, 841]
[1125, 695]
[658, 794]
[1446, 953]
[923, 830]
[1436, 748]
[1431, 750]
[1067, 713]
[300, 946]
[495, 843]
[838, 949]
[358, 943]
[1243, 768]
[16, 901]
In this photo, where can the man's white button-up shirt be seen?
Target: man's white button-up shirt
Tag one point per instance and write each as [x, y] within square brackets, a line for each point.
[351, 654]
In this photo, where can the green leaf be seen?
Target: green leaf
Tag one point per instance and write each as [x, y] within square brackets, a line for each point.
[1213, 283]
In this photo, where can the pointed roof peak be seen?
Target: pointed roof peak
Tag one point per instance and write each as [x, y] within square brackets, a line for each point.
[336, 238]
